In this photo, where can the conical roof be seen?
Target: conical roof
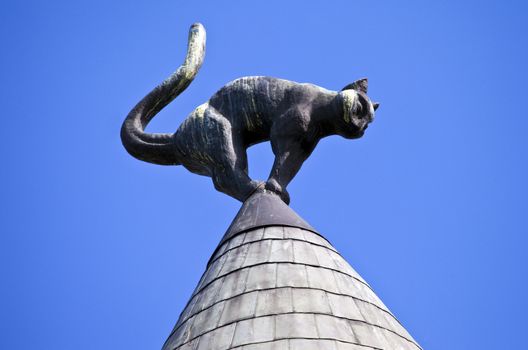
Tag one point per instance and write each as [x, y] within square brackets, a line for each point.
[275, 283]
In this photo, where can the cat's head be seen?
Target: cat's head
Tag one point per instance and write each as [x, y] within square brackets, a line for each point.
[358, 110]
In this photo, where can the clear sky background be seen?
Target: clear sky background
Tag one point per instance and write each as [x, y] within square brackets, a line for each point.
[101, 251]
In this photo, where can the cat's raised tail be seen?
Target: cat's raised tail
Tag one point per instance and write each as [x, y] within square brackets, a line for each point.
[159, 148]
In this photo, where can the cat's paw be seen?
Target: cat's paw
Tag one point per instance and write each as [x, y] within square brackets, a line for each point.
[258, 186]
[273, 186]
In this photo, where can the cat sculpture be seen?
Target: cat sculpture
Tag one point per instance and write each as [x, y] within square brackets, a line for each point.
[213, 139]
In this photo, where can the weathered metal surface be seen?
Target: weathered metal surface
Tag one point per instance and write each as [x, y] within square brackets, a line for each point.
[213, 139]
[284, 287]
[263, 209]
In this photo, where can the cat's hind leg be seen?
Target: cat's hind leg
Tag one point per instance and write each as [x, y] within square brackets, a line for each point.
[227, 151]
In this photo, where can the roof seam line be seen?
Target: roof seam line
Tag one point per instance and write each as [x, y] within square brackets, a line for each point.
[275, 262]
[304, 338]
[291, 313]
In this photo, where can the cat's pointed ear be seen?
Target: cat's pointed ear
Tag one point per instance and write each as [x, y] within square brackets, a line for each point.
[358, 85]
[375, 105]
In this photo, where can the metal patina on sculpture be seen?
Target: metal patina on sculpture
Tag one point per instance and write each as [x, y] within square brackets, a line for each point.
[213, 139]
[273, 282]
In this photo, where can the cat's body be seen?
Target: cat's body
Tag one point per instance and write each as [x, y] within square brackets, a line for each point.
[213, 139]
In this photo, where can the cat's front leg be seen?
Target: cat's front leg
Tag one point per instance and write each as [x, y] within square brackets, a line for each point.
[289, 157]
[273, 186]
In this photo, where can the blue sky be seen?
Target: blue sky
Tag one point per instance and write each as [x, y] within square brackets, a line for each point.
[101, 251]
